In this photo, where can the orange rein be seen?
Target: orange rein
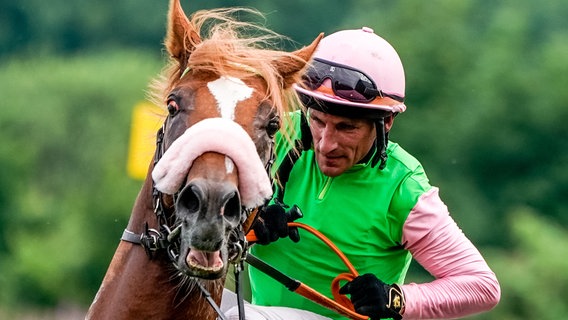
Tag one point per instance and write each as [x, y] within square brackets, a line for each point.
[340, 303]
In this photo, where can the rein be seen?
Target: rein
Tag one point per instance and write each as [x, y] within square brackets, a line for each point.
[340, 303]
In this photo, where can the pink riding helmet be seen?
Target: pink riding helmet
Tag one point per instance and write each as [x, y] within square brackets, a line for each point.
[365, 51]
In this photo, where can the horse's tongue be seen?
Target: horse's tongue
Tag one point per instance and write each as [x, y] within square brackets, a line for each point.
[203, 259]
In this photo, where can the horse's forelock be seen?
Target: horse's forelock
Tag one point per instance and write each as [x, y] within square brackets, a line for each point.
[233, 48]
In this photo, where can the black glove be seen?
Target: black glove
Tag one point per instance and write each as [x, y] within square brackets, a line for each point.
[374, 298]
[272, 223]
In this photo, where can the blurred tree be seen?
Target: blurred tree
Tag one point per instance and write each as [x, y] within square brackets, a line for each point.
[486, 109]
[484, 97]
[61, 26]
[64, 141]
[533, 275]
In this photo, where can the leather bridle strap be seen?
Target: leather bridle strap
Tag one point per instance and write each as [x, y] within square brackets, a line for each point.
[210, 300]
[239, 268]
[131, 237]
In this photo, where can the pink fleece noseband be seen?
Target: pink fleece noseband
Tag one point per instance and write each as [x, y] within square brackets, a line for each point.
[215, 135]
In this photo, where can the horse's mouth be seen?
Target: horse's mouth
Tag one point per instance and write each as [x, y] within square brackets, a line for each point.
[204, 264]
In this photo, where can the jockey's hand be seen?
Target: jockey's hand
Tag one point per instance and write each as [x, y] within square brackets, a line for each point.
[374, 298]
[272, 223]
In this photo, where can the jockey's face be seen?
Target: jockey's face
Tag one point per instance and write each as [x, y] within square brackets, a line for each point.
[339, 142]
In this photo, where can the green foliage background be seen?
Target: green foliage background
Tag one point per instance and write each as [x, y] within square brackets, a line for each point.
[487, 106]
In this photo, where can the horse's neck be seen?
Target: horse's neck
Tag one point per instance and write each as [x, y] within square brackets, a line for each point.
[136, 287]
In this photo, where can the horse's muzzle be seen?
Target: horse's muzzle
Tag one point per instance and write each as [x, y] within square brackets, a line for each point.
[208, 211]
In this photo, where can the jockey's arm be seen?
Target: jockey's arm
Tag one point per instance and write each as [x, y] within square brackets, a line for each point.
[464, 282]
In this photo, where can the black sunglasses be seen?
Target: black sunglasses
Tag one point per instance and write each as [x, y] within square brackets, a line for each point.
[346, 82]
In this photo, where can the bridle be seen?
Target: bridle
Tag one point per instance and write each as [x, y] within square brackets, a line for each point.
[167, 236]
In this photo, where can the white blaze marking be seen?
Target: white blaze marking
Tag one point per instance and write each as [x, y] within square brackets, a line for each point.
[229, 165]
[229, 91]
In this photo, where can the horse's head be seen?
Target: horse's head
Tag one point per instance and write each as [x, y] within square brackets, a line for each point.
[226, 98]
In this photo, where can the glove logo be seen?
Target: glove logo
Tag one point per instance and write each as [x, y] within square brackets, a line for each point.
[396, 302]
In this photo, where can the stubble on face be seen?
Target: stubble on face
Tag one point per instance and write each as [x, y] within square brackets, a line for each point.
[339, 142]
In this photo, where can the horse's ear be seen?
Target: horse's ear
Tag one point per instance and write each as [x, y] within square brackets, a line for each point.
[181, 37]
[289, 68]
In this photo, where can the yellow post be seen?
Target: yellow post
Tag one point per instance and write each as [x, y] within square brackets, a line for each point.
[146, 120]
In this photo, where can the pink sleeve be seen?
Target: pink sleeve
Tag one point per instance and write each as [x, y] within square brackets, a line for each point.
[464, 282]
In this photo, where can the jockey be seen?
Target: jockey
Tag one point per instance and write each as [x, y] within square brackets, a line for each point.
[368, 195]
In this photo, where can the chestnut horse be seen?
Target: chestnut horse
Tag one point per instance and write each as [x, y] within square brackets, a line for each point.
[226, 95]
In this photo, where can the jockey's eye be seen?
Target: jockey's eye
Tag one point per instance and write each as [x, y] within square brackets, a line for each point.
[173, 107]
[273, 126]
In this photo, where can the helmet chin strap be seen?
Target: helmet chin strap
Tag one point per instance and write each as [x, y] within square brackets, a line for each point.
[380, 145]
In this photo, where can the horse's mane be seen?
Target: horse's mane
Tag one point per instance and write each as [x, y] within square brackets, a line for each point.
[233, 48]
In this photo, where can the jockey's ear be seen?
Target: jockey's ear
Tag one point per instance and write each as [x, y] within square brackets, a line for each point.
[291, 67]
[181, 37]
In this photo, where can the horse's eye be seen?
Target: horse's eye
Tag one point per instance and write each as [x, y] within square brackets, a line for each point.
[173, 107]
[273, 126]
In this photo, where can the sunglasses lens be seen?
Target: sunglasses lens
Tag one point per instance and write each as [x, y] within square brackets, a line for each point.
[348, 92]
[355, 86]
[313, 78]
[347, 83]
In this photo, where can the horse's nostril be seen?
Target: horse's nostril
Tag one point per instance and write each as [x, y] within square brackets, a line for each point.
[190, 198]
[210, 199]
[232, 209]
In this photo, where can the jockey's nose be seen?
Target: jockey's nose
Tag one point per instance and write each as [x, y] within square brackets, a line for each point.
[328, 140]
